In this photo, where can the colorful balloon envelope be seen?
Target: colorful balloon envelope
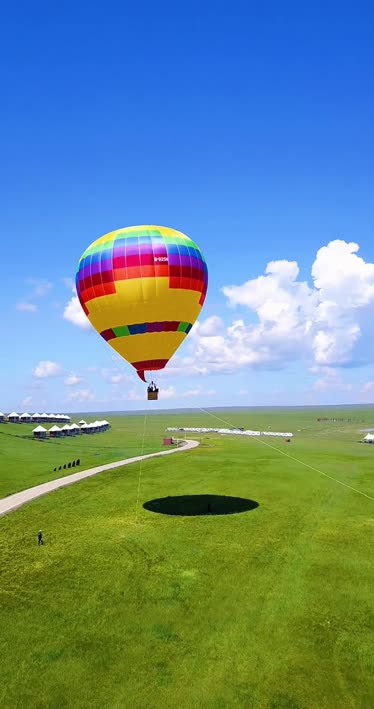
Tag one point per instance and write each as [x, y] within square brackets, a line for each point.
[142, 288]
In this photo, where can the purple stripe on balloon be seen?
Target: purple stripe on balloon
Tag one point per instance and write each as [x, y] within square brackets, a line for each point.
[155, 327]
[132, 250]
[95, 268]
[106, 265]
[196, 263]
[160, 249]
[177, 260]
[174, 259]
[84, 273]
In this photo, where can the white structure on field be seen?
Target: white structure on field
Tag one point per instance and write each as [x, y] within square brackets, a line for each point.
[233, 432]
[25, 418]
[40, 432]
[55, 432]
[13, 417]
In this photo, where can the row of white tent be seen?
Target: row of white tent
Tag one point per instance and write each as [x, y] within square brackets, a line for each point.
[232, 431]
[13, 417]
[71, 429]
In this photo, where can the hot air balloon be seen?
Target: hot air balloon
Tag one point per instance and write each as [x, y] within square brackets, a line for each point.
[142, 289]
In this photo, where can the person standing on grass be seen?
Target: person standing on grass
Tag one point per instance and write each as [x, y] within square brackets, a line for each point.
[40, 538]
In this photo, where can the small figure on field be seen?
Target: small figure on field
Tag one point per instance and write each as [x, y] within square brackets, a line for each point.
[40, 539]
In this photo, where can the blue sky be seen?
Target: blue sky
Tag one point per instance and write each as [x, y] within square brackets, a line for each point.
[249, 128]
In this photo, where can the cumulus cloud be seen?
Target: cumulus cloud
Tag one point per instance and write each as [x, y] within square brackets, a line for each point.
[168, 393]
[368, 388]
[25, 307]
[45, 369]
[198, 391]
[81, 395]
[328, 324]
[72, 380]
[212, 326]
[69, 283]
[74, 313]
[117, 378]
[40, 287]
[113, 376]
[332, 383]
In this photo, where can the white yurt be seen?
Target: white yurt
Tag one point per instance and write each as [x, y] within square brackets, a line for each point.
[25, 418]
[55, 432]
[40, 432]
[66, 430]
[13, 417]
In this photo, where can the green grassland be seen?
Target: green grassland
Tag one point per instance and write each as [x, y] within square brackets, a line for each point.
[123, 607]
[25, 462]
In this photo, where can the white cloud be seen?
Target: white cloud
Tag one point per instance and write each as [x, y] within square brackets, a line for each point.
[329, 324]
[69, 283]
[40, 287]
[168, 393]
[72, 380]
[46, 369]
[25, 307]
[74, 313]
[198, 392]
[133, 395]
[212, 326]
[113, 376]
[117, 378]
[81, 395]
[27, 401]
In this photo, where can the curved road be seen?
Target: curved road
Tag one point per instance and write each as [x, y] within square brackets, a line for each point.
[12, 502]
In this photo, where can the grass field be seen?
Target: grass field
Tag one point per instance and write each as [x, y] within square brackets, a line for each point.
[25, 462]
[124, 607]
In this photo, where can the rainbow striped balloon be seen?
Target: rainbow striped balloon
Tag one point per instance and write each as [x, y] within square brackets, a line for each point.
[142, 288]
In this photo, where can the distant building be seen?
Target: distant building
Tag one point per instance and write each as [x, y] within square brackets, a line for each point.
[13, 417]
[55, 432]
[25, 418]
[40, 432]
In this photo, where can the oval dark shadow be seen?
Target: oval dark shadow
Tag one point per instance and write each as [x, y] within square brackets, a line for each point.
[198, 505]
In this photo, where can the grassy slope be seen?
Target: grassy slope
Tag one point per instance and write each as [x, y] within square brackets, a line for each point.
[25, 462]
[271, 608]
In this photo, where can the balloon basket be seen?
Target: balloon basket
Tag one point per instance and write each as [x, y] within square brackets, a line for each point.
[152, 395]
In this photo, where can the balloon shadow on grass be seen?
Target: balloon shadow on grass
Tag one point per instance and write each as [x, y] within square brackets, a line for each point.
[199, 505]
